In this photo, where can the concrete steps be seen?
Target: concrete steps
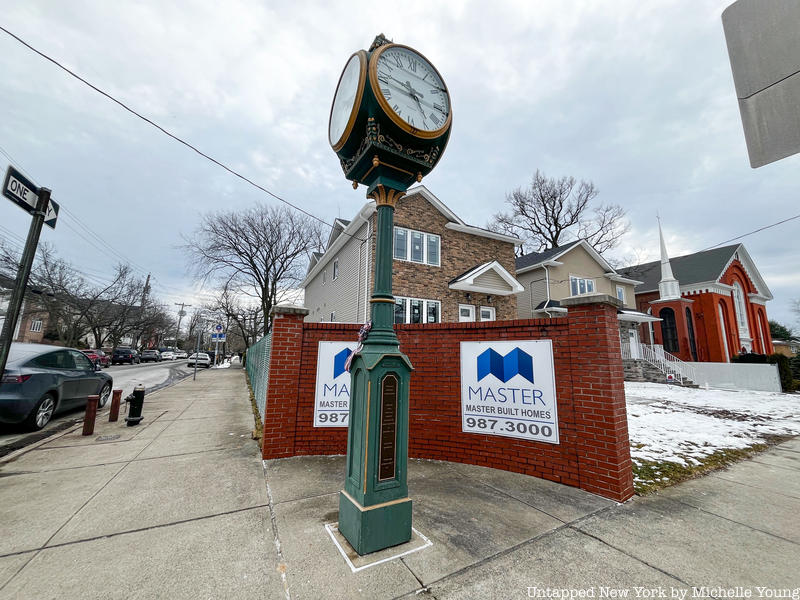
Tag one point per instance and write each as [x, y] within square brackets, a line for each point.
[643, 371]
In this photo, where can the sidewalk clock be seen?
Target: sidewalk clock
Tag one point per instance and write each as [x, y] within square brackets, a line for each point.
[391, 117]
[389, 124]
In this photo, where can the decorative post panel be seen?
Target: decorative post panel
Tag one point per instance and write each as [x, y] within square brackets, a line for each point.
[508, 389]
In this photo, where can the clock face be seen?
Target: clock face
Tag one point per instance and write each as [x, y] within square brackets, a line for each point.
[347, 99]
[409, 87]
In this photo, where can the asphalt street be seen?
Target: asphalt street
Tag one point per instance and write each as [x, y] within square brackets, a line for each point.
[153, 376]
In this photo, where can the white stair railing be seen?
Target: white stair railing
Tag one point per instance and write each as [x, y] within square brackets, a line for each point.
[667, 363]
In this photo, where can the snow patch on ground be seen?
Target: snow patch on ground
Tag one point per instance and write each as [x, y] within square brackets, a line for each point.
[681, 425]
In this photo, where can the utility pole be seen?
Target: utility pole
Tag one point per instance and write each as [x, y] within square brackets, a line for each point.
[145, 291]
[23, 274]
[181, 312]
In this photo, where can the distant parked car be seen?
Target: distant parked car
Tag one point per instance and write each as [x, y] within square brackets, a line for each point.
[202, 360]
[168, 355]
[98, 357]
[150, 356]
[41, 381]
[125, 355]
[180, 354]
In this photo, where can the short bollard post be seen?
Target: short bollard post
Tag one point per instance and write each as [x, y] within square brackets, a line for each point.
[91, 414]
[136, 402]
[113, 414]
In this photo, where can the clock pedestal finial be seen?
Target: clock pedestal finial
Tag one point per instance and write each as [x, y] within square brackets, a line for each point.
[374, 507]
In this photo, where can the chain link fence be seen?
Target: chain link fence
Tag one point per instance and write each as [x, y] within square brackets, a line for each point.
[257, 366]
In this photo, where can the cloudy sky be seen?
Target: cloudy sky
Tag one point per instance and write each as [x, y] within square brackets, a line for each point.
[635, 96]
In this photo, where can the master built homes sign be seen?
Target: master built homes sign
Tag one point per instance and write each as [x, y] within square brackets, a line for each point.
[508, 389]
[332, 398]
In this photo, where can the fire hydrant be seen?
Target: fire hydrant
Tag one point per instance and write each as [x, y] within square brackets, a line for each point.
[135, 404]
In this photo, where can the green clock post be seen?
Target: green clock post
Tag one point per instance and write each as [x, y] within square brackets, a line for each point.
[389, 124]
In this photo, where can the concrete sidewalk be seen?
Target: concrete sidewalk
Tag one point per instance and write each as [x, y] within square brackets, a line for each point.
[182, 507]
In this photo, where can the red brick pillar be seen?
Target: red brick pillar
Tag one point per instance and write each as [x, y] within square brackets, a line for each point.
[280, 414]
[598, 391]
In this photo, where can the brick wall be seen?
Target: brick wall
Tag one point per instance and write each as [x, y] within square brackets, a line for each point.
[593, 453]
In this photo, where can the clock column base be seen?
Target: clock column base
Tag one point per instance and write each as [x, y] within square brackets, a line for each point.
[373, 528]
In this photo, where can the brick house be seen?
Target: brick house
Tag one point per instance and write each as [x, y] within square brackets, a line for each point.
[444, 270]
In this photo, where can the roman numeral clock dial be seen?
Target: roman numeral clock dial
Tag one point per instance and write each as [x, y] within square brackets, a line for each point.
[410, 90]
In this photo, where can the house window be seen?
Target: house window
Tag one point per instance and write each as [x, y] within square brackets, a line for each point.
[581, 285]
[692, 341]
[434, 312]
[466, 313]
[741, 310]
[324, 276]
[487, 313]
[417, 310]
[621, 294]
[416, 246]
[335, 268]
[400, 243]
[36, 325]
[333, 316]
[669, 330]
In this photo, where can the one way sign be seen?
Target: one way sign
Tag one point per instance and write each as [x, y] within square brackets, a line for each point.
[20, 190]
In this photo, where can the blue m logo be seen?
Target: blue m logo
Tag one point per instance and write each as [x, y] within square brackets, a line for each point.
[338, 362]
[516, 362]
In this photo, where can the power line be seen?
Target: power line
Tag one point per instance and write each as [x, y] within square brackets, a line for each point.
[168, 133]
[738, 237]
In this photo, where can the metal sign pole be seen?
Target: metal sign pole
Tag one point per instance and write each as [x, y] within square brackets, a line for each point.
[23, 274]
[196, 353]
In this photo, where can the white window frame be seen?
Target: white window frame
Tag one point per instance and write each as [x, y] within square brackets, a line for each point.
[492, 310]
[36, 325]
[471, 308]
[621, 293]
[324, 276]
[588, 282]
[425, 237]
[335, 269]
[425, 303]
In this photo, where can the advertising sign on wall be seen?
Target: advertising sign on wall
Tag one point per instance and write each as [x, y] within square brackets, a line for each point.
[332, 399]
[508, 389]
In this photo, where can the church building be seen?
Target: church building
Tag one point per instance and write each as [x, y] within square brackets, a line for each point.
[712, 304]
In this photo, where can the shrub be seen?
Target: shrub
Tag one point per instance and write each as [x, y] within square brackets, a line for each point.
[784, 371]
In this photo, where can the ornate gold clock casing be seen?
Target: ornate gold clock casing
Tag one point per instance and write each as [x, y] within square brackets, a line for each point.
[390, 118]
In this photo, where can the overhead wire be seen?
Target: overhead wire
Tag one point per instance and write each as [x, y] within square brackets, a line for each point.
[169, 133]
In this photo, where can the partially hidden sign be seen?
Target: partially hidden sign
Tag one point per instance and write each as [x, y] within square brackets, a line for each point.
[332, 398]
[508, 389]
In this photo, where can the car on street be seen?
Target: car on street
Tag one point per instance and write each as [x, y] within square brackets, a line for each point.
[181, 355]
[150, 356]
[98, 356]
[125, 355]
[168, 355]
[202, 359]
[41, 381]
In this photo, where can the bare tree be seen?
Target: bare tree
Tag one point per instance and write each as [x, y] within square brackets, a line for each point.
[552, 211]
[260, 252]
[243, 318]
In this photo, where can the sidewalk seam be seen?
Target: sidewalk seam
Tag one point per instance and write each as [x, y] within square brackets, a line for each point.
[129, 531]
[275, 536]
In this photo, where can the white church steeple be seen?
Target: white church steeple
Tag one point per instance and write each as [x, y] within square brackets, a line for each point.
[668, 287]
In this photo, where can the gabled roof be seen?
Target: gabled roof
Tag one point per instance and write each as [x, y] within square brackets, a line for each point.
[468, 281]
[701, 267]
[339, 225]
[537, 258]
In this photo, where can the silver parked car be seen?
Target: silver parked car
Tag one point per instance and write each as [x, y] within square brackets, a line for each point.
[40, 381]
